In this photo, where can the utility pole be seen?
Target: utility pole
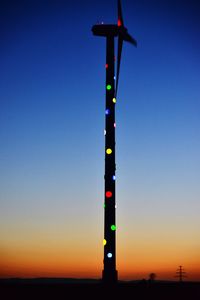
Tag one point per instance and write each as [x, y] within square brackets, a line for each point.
[180, 273]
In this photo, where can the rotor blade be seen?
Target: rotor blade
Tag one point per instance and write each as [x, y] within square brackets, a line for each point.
[120, 21]
[128, 38]
[120, 44]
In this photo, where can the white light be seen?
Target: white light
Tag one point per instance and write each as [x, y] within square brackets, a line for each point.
[109, 255]
[104, 132]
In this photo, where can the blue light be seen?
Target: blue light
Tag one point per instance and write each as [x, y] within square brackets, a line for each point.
[109, 255]
[114, 177]
[107, 111]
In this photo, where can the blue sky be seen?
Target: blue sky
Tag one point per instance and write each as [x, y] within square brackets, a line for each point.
[52, 98]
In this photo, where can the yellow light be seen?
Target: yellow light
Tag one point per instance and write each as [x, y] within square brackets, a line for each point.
[104, 242]
[109, 151]
[114, 100]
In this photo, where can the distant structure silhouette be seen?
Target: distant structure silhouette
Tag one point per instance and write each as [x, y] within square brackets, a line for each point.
[180, 273]
[110, 31]
[152, 277]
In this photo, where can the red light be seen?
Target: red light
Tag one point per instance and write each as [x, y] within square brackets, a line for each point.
[106, 66]
[119, 23]
[108, 194]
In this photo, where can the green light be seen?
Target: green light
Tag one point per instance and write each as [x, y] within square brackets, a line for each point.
[109, 87]
[104, 205]
[113, 227]
[109, 151]
[104, 242]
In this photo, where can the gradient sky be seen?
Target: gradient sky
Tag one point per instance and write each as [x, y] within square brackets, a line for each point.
[52, 98]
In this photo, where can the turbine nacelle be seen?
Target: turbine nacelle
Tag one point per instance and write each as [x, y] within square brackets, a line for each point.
[105, 30]
[114, 31]
[118, 30]
[109, 30]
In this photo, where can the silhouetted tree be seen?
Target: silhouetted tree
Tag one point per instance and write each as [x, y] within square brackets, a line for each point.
[152, 277]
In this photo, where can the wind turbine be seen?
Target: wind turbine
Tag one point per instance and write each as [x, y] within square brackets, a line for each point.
[110, 31]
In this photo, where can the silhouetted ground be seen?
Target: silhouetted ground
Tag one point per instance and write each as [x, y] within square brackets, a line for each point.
[94, 289]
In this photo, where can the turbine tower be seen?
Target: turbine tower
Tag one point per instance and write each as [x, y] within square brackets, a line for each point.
[110, 31]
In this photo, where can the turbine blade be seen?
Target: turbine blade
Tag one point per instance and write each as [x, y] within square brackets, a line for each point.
[120, 21]
[128, 38]
[120, 45]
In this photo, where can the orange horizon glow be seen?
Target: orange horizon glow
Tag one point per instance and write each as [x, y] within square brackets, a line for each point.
[58, 251]
[28, 272]
[32, 264]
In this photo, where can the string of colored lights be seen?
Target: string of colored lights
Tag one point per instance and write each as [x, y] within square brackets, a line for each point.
[109, 151]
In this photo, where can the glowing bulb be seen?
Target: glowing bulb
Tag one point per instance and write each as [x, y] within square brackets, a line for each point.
[109, 151]
[115, 205]
[104, 132]
[119, 23]
[114, 100]
[104, 242]
[115, 125]
[109, 87]
[107, 111]
[114, 77]
[109, 255]
[113, 227]
[114, 177]
[106, 66]
[108, 194]
[104, 205]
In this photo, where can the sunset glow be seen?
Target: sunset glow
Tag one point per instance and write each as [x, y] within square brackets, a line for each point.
[52, 127]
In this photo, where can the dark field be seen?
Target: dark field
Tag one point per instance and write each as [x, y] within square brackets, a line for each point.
[94, 289]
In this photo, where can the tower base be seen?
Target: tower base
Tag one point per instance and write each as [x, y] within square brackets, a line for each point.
[109, 277]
